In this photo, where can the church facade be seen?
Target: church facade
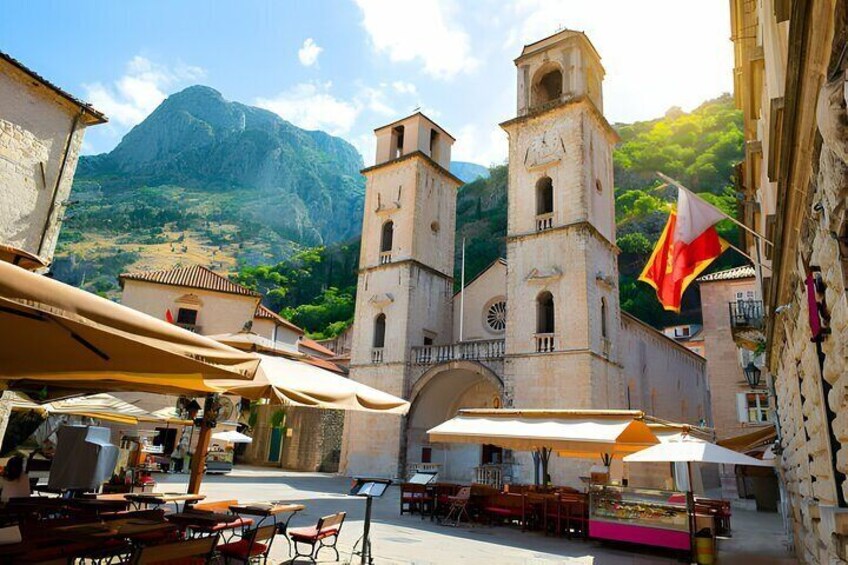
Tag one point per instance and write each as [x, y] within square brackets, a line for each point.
[539, 329]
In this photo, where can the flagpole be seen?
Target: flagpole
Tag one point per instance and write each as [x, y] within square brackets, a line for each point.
[462, 292]
[673, 182]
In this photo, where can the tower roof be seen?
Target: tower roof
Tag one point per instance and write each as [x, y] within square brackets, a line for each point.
[413, 115]
[553, 39]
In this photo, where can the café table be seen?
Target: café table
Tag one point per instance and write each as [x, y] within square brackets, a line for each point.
[270, 511]
[100, 505]
[161, 498]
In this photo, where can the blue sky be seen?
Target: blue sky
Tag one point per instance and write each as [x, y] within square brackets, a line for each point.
[349, 66]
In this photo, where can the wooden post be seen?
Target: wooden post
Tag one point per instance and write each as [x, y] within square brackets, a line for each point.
[198, 459]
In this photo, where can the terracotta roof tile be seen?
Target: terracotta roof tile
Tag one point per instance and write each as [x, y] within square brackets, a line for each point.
[194, 276]
[265, 313]
[315, 346]
[744, 272]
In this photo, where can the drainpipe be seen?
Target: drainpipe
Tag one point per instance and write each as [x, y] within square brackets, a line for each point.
[59, 179]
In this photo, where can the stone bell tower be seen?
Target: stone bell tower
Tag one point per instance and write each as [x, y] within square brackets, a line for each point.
[405, 280]
[563, 318]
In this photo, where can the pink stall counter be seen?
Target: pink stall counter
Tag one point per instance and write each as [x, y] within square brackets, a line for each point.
[644, 516]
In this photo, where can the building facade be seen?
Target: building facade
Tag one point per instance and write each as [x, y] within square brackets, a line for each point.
[41, 132]
[539, 329]
[790, 82]
[203, 301]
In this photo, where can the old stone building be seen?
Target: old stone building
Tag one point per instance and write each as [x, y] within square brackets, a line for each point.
[790, 82]
[541, 329]
[203, 301]
[41, 131]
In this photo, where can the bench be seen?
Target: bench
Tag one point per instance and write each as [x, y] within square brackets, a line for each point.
[327, 527]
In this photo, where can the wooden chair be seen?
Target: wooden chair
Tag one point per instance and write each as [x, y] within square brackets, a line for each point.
[327, 527]
[415, 497]
[194, 551]
[459, 507]
[574, 513]
[254, 547]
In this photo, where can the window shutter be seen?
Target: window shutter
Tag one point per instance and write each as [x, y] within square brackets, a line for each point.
[742, 407]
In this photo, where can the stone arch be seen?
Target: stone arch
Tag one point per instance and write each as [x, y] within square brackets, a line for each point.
[436, 397]
[433, 372]
[547, 84]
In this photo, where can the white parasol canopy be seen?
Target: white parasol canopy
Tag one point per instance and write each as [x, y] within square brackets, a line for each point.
[232, 436]
[691, 450]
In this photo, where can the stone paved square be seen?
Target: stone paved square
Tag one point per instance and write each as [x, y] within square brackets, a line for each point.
[409, 540]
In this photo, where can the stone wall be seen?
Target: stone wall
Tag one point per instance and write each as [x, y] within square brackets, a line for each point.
[34, 134]
[313, 444]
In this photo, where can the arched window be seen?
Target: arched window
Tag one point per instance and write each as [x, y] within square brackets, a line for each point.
[386, 237]
[397, 142]
[545, 313]
[547, 86]
[603, 317]
[380, 331]
[544, 195]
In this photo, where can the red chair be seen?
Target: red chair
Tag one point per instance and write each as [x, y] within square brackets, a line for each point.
[254, 547]
[327, 527]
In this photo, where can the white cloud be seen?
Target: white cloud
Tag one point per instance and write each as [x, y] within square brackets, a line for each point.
[140, 90]
[484, 146]
[403, 87]
[375, 100]
[308, 53]
[311, 106]
[425, 31]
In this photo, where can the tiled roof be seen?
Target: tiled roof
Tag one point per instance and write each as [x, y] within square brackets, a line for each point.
[315, 346]
[324, 364]
[267, 314]
[98, 116]
[744, 272]
[194, 276]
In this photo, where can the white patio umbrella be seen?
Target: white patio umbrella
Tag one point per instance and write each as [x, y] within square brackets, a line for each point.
[232, 436]
[691, 450]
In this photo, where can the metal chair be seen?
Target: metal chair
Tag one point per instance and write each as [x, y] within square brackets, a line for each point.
[254, 547]
[327, 527]
[459, 507]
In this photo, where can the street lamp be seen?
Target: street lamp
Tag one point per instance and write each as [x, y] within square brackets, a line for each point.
[752, 374]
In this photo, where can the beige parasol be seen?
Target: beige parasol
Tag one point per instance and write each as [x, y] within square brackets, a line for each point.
[56, 334]
[290, 381]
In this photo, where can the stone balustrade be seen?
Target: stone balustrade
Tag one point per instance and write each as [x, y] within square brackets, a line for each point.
[464, 350]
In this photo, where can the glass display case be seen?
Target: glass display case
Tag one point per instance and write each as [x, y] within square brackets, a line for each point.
[637, 515]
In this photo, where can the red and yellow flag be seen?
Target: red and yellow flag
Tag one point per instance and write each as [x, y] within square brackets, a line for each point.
[687, 246]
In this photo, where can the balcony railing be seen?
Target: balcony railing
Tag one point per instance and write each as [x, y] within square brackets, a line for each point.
[491, 475]
[746, 314]
[544, 221]
[544, 343]
[377, 355]
[190, 327]
[464, 350]
[385, 257]
[412, 468]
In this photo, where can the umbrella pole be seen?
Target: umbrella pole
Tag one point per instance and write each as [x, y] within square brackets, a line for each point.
[690, 506]
[198, 461]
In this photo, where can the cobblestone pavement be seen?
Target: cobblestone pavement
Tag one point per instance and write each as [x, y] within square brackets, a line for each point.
[410, 540]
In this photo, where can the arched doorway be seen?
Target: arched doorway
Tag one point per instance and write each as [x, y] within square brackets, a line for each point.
[437, 396]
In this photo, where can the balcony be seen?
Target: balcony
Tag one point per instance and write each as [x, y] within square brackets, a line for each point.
[544, 343]
[747, 323]
[493, 474]
[377, 355]
[385, 257]
[464, 350]
[544, 221]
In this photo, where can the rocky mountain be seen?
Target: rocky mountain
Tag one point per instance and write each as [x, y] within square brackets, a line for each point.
[468, 172]
[208, 180]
